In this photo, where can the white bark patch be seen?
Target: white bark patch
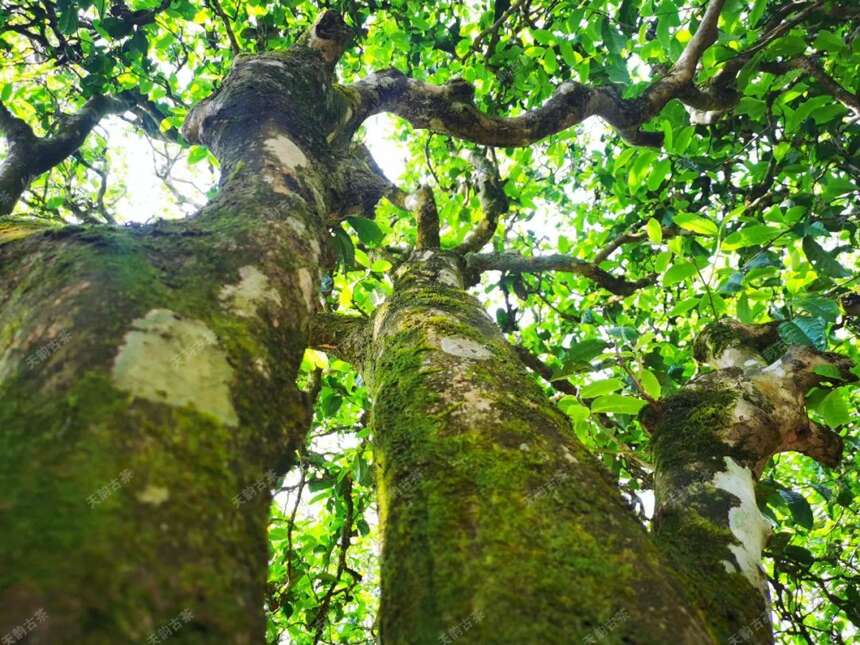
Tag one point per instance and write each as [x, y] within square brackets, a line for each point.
[464, 348]
[170, 360]
[252, 290]
[154, 495]
[746, 522]
[286, 152]
[306, 284]
[737, 357]
[267, 61]
[450, 278]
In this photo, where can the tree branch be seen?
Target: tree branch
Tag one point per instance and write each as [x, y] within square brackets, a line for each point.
[450, 108]
[811, 66]
[494, 203]
[543, 370]
[225, 20]
[30, 155]
[428, 219]
[339, 335]
[509, 261]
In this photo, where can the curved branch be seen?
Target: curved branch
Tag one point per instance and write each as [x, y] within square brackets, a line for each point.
[428, 219]
[450, 109]
[509, 261]
[30, 156]
[494, 203]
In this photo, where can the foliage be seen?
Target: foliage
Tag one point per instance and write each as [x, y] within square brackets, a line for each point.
[753, 216]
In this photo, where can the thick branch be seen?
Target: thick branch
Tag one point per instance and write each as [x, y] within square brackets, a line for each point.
[514, 262]
[330, 36]
[428, 219]
[494, 203]
[30, 156]
[543, 370]
[339, 335]
[450, 108]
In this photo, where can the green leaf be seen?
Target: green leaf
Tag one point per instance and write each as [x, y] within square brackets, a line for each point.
[801, 512]
[820, 307]
[585, 350]
[654, 231]
[649, 383]
[599, 388]
[824, 262]
[367, 230]
[641, 169]
[198, 153]
[834, 408]
[804, 331]
[684, 306]
[695, 223]
[345, 249]
[658, 173]
[836, 186]
[68, 19]
[618, 403]
[799, 554]
[679, 272]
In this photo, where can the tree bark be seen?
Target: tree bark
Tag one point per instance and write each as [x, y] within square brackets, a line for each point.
[147, 375]
[711, 442]
[498, 525]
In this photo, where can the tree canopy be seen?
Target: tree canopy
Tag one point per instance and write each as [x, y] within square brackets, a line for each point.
[656, 166]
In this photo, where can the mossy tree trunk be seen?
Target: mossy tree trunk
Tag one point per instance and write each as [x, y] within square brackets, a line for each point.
[498, 525]
[147, 374]
[711, 441]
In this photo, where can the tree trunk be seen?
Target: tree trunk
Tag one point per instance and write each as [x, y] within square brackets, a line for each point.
[711, 441]
[498, 525]
[147, 377]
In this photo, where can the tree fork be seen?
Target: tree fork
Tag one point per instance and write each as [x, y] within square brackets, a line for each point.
[147, 375]
[711, 442]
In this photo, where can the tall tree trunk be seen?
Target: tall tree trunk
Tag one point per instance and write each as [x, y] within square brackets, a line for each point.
[711, 441]
[498, 526]
[147, 376]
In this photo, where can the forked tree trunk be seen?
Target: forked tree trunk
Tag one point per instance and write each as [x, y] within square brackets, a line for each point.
[147, 379]
[711, 442]
[498, 526]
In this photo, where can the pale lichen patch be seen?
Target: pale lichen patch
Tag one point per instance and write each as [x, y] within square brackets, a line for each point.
[286, 152]
[450, 278]
[465, 348]
[154, 495]
[746, 522]
[306, 284]
[155, 363]
[252, 290]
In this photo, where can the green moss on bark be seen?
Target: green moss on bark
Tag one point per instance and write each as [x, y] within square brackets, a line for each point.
[490, 506]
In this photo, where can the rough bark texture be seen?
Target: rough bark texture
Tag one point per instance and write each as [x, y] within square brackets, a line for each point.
[711, 441]
[147, 377]
[494, 516]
